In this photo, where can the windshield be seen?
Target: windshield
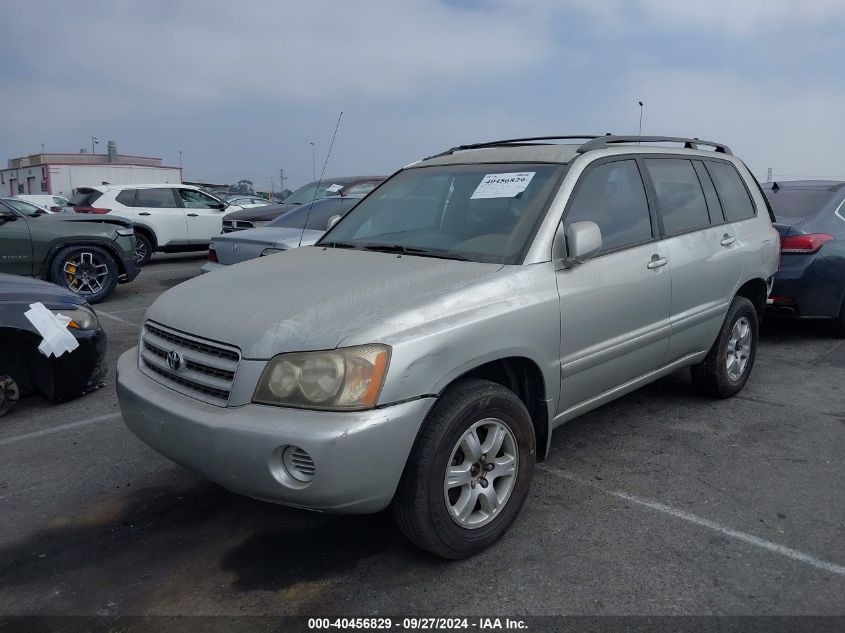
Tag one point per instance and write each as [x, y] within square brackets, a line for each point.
[317, 216]
[799, 203]
[482, 213]
[306, 193]
[24, 207]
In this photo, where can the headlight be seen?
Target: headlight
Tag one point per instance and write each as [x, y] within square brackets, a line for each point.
[80, 318]
[344, 379]
[126, 231]
[270, 251]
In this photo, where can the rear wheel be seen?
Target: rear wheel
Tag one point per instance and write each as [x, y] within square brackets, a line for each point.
[469, 472]
[726, 369]
[89, 271]
[9, 394]
[143, 249]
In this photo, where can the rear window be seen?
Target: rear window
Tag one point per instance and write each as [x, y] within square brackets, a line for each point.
[317, 216]
[733, 195]
[799, 203]
[85, 197]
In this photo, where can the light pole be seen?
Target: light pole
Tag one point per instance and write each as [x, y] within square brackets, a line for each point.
[180, 159]
[641, 118]
[313, 163]
[94, 141]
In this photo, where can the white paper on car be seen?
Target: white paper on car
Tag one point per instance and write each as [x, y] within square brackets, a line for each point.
[334, 188]
[53, 328]
[503, 185]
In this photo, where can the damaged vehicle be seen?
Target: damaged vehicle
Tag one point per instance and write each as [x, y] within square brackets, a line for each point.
[419, 356]
[87, 255]
[24, 368]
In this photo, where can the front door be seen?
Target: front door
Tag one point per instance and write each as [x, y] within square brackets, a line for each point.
[615, 307]
[15, 244]
[205, 217]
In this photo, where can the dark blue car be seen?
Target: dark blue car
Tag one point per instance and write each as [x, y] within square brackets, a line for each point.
[810, 282]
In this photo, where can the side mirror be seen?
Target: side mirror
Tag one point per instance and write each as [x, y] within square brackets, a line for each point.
[332, 221]
[7, 216]
[222, 206]
[577, 243]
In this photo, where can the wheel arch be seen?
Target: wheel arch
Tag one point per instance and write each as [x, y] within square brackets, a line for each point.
[148, 232]
[523, 377]
[756, 291]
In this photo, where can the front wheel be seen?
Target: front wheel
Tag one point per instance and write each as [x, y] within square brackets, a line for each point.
[89, 271]
[727, 366]
[469, 472]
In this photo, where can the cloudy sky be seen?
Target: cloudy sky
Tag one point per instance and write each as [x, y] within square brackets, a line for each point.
[243, 87]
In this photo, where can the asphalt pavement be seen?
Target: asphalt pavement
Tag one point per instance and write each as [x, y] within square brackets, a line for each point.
[661, 503]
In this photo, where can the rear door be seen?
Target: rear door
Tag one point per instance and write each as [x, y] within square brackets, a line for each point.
[204, 215]
[614, 308]
[158, 208]
[702, 249]
[15, 243]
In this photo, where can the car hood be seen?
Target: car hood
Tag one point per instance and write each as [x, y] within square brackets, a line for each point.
[267, 212]
[89, 218]
[307, 298]
[28, 290]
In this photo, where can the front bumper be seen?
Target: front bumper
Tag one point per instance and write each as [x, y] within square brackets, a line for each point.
[359, 456]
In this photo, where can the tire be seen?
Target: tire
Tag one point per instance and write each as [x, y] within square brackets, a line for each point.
[423, 501]
[714, 377]
[87, 270]
[9, 394]
[143, 250]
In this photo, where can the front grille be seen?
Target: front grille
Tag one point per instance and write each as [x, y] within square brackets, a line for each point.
[206, 369]
[230, 226]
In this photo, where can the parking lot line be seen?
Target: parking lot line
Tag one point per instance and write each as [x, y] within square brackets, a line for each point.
[56, 429]
[117, 318]
[697, 520]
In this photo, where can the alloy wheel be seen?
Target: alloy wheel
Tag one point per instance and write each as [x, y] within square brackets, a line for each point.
[85, 272]
[739, 349]
[481, 473]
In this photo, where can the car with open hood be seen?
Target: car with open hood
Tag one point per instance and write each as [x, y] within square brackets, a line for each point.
[88, 255]
[301, 226]
[343, 187]
[419, 355]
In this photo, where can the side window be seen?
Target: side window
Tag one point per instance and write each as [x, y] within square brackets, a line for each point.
[613, 196]
[361, 188]
[732, 193]
[680, 198]
[59, 201]
[126, 197]
[193, 199]
[155, 198]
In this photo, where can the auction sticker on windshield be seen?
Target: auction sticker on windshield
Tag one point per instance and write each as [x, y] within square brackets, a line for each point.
[502, 185]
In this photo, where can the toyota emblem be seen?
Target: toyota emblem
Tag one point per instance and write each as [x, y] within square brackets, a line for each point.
[174, 360]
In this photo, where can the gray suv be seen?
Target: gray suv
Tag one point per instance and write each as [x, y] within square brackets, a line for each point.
[419, 356]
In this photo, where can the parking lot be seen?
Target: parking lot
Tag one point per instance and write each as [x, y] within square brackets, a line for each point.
[662, 502]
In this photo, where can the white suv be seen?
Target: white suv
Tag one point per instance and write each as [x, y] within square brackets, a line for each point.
[168, 218]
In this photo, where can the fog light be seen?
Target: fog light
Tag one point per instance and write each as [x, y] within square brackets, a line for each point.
[298, 464]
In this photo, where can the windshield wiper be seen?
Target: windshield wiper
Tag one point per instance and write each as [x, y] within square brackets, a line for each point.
[339, 245]
[413, 250]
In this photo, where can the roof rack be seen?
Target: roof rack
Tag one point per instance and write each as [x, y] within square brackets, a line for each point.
[604, 142]
[520, 141]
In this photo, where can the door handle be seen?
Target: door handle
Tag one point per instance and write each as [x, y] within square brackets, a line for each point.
[657, 262]
[727, 240]
[192, 215]
[144, 213]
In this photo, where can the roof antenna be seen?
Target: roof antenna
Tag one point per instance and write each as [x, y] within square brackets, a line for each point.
[322, 172]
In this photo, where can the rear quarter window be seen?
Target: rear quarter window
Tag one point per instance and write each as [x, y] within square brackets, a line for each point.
[126, 198]
[736, 203]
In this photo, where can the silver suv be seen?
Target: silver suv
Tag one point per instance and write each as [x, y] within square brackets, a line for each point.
[419, 356]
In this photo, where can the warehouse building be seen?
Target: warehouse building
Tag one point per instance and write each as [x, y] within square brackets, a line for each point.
[61, 174]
